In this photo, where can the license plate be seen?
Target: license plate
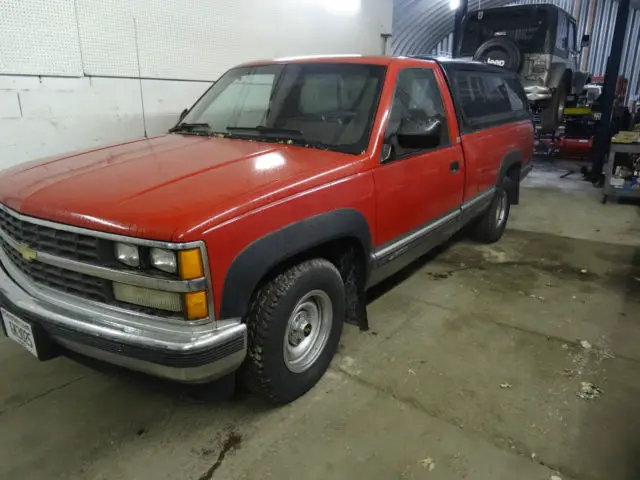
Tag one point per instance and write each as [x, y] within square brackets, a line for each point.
[19, 331]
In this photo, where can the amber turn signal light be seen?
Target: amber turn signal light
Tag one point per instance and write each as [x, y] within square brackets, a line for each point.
[191, 264]
[196, 305]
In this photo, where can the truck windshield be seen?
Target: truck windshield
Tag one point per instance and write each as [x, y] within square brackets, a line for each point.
[318, 105]
[528, 28]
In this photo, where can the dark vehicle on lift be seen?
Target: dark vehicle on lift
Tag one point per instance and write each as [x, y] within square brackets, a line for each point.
[537, 41]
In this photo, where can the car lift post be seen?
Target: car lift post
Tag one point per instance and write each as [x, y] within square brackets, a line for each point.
[459, 14]
[602, 140]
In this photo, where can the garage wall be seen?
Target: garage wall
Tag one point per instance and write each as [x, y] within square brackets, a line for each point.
[76, 74]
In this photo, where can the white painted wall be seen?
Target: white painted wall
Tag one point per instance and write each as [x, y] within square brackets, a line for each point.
[71, 85]
[43, 116]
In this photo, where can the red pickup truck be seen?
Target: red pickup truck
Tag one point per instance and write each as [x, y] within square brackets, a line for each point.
[245, 237]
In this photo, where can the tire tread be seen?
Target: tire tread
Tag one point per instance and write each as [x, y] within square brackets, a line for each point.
[254, 374]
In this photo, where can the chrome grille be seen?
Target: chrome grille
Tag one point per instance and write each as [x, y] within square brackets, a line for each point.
[85, 286]
[18, 231]
[56, 242]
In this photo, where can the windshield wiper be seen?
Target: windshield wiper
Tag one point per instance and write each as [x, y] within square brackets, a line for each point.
[288, 135]
[185, 127]
[271, 133]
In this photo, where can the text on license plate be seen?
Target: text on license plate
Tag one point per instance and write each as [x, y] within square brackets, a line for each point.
[19, 331]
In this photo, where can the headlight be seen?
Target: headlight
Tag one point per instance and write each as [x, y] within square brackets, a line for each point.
[184, 264]
[164, 260]
[127, 254]
[147, 297]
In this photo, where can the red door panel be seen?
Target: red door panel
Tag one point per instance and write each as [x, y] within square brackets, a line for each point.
[414, 191]
[418, 187]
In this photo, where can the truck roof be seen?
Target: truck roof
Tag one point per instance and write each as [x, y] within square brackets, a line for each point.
[445, 63]
[361, 59]
[449, 64]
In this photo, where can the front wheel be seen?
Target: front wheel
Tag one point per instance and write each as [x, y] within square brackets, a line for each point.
[294, 327]
[490, 226]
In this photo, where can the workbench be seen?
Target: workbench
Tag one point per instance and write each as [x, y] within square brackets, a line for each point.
[622, 171]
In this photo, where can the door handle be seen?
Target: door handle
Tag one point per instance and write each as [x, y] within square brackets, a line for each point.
[454, 166]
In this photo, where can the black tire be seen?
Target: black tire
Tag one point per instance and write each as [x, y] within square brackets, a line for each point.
[500, 51]
[487, 228]
[551, 116]
[266, 371]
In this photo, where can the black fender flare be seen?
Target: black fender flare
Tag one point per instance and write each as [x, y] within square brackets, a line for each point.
[558, 73]
[513, 157]
[263, 255]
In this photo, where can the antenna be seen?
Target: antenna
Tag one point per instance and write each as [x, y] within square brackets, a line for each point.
[144, 117]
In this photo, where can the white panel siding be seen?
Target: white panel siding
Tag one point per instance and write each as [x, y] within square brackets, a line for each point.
[58, 115]
[200, 39]
[39, 37]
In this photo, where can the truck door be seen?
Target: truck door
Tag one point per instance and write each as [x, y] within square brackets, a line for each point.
[418, 191]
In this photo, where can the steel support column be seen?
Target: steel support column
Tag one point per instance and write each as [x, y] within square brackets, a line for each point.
[460, 12]
[591, 18]
[602, 139]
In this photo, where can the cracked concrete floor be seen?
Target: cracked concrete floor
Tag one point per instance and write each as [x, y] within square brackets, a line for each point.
[471, 370]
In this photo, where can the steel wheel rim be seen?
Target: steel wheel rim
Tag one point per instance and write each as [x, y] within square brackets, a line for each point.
[307, 331]
[501, 210]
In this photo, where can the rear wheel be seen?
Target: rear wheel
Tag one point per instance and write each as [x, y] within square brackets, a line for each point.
[294, 326]
[490, 226]
[551, 116]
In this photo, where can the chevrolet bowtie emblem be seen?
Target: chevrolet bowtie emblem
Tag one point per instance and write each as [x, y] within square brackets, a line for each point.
[27, 253]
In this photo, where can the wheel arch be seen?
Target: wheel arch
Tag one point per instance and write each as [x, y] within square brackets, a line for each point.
[559, 73]
[324, 235]
[511, 168]
[568, 79]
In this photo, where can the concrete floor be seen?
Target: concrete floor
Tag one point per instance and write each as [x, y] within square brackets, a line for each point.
[471, 370]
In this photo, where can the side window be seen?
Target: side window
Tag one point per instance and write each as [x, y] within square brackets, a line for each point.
[572, 36]
[471, 93]
[517, 97]
[497, 97]
[417, 97]
[488, 99]
[562, 38]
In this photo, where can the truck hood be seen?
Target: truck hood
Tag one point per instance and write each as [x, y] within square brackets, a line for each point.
[160, 188]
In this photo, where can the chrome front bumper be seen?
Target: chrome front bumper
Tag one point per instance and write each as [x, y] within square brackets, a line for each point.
[188, 353]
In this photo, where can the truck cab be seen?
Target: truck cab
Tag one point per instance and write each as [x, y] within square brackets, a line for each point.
[540, 43]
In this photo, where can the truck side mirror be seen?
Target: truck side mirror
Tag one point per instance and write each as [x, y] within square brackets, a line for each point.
[183, 114]
[586, 40]
[419, 134]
